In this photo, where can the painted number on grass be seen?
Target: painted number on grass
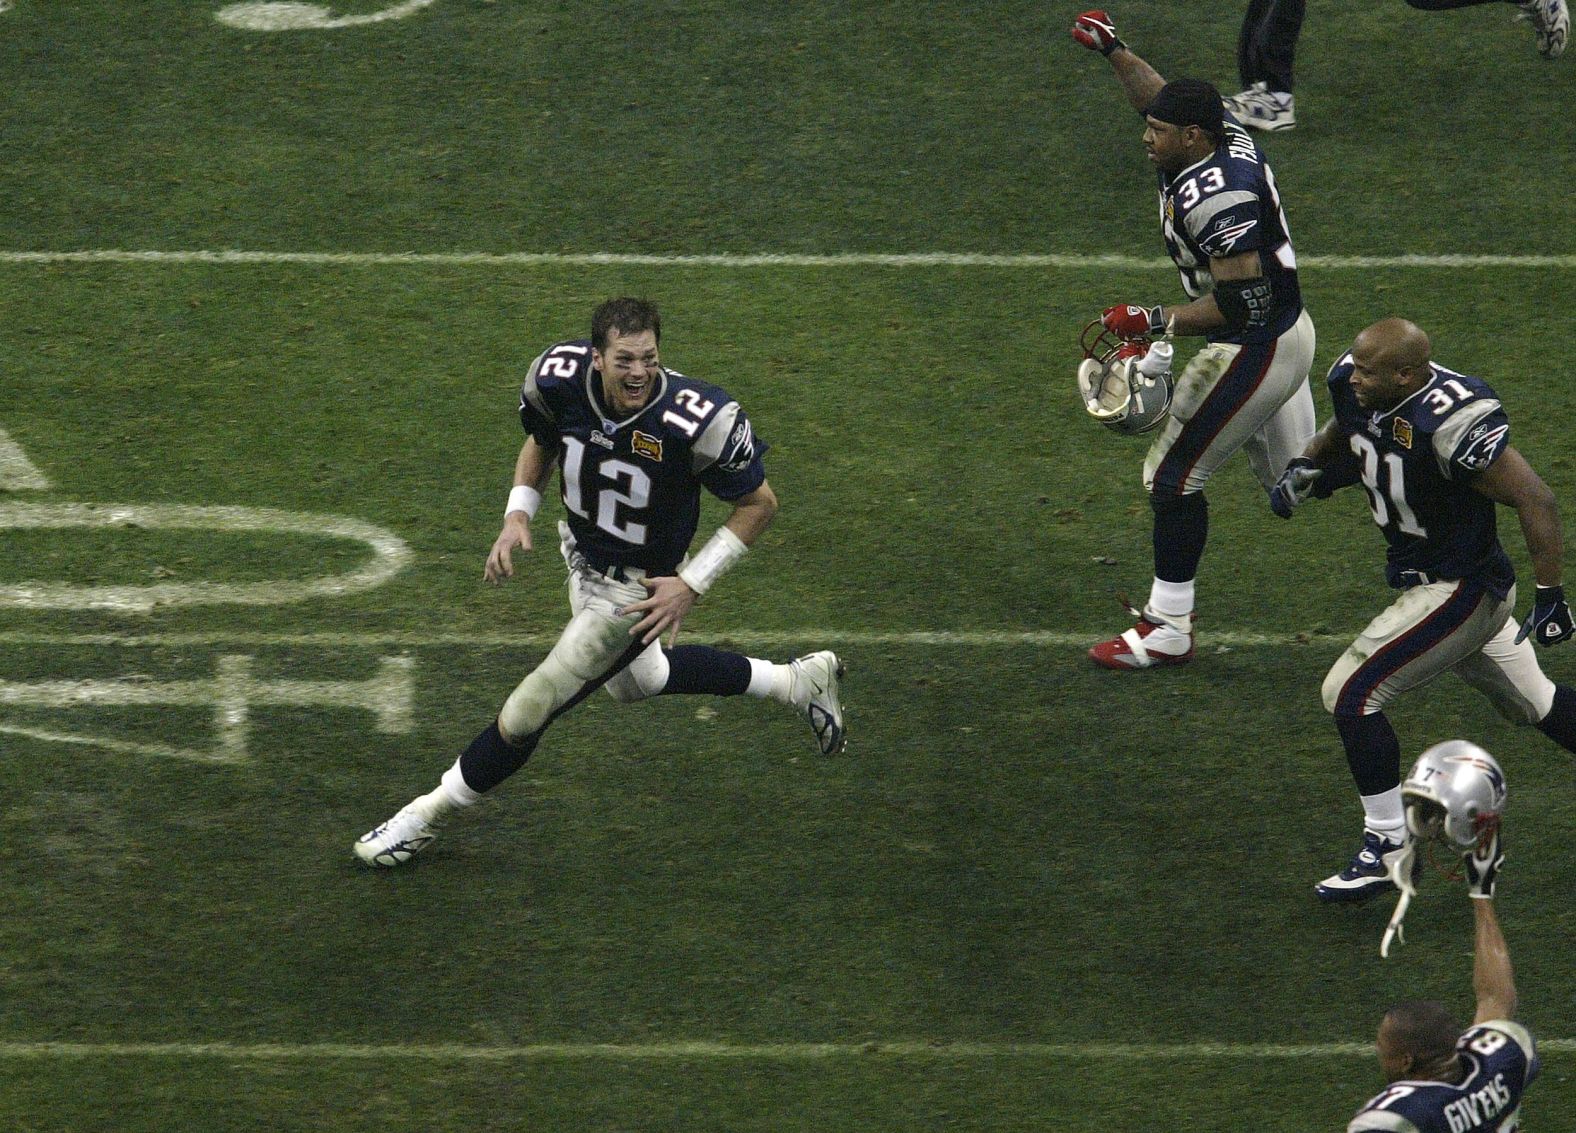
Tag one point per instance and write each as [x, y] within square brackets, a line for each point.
[390, 554]
[231, 694]
[307, 17]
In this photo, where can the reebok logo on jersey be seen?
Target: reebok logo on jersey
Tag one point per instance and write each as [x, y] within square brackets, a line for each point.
[1480, 451]
[741, 449]
[1220, 242]
[644, 444]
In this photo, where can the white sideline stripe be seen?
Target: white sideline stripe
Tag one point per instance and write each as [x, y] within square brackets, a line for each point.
[763, 259]
[784, 1052]
[1208, 642]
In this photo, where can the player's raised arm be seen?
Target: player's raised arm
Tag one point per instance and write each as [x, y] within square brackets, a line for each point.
[1493, 981]
[1140, 82]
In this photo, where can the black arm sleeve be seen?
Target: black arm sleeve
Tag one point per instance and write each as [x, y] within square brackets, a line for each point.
[1244, 302]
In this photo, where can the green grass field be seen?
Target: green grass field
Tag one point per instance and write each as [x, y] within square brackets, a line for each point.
[1032, 895]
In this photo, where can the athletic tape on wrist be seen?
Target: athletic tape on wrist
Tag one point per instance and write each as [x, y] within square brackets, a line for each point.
[721, 551]
[523, 497]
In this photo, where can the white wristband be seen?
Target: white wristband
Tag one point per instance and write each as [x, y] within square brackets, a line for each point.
[523, 497]
[721, 551]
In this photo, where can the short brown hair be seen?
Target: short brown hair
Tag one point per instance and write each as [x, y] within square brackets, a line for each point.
[1425, 1029]
[625, 315]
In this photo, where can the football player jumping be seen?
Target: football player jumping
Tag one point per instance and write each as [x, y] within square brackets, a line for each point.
[635, 443]
[1431, 448]
[1224, 227]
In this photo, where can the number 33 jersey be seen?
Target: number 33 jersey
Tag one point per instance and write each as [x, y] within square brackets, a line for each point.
[1499, 1059]
[631, 487]
[1222, 206]
[1417, 462]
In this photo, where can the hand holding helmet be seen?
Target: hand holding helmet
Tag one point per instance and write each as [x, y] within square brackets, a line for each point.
[1484, 861]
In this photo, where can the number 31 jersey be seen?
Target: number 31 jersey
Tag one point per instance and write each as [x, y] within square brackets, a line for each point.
[1417, 462]
[1500, 1060]
[631, 487]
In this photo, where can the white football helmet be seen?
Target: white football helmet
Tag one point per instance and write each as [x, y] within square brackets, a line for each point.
[1116, 384]
[1455, 792]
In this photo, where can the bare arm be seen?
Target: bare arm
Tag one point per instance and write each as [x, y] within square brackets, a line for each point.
[1493, 981]
[1140, 82]
[533, 468]
[752, 514]
[1511, 481]
[1325, 445]
[671, 599]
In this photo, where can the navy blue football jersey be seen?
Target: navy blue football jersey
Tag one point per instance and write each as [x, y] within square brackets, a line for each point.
[1500, 1060]
[1222, 206]
[631, 487]
[1417, 462]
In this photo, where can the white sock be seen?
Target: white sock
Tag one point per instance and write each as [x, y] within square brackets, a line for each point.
[450, 794]
[1172, 600]
[1382, 813]
[770, 680]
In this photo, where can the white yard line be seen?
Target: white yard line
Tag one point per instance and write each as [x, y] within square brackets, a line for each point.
[1208, 642]
[763, 259]
[700, 1050]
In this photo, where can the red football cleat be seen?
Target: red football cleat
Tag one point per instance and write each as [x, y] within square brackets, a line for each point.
[1152, 642]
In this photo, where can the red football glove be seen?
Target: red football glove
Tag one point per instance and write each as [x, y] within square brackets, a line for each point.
[1097, 32]
[1127, 321]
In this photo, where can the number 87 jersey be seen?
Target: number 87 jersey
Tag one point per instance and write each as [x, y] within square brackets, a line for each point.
[631, 486]
[1417, 461]
[1498, 1062]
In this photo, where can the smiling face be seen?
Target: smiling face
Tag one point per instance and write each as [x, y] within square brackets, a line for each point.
[629, 369]
[1389, 364]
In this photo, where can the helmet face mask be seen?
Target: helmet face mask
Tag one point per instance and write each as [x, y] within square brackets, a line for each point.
[1454, 794]
[1115, 391]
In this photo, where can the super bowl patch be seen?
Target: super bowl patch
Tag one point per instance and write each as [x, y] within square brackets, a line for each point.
[644, 444]
[1403, 432]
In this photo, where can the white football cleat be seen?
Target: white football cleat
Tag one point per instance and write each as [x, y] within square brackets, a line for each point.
[1263, 109]
[814, 693]
[396, 841]
[1551, 20]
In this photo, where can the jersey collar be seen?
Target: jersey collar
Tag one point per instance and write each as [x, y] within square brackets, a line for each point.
[1399, 407]
[594, 396]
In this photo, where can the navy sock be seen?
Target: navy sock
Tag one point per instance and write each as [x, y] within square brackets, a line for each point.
[1373, 752]
[491, 759]
[1560, 724]
[1181, 527]
[702, 669]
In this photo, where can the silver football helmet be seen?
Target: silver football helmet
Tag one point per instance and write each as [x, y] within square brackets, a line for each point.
[1455, 792]
[1126, 385]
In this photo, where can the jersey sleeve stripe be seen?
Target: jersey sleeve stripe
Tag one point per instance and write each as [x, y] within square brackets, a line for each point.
[708, 446]
[530, 392]
[1448, 437]
[1208, 209]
